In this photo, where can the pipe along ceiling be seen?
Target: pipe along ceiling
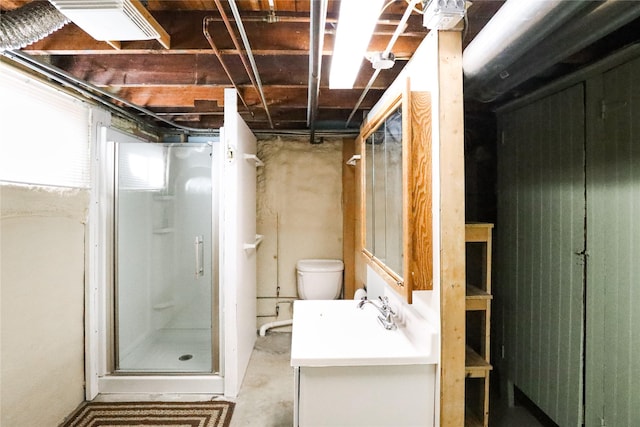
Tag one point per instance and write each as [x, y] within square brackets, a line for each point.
[524, 39]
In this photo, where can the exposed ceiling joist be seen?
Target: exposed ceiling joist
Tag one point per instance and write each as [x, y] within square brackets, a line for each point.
[185, 82]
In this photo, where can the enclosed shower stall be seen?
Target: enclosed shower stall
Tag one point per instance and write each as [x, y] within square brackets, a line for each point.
[171, 278]
[166, 259]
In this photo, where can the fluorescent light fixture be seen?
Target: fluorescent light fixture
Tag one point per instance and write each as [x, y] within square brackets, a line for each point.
[356, 23]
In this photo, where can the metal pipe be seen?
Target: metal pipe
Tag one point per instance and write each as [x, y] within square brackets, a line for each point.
[236, 43]
[216, 51]
[253, 75]
[247, 47]
[292, 17]
[341, 133]
[362, 95]
[571, 38]
[316, 37]
[399, 29]
[77, 85]
[89, 90]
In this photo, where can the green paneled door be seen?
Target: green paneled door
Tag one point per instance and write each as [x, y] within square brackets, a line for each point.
[571, 153]
[540, 234]
[613, 241]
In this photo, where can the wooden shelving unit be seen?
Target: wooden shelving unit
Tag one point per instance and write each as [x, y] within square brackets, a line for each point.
[478, 307]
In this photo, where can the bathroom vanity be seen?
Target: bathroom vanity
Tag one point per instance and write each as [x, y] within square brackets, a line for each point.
[350, 371]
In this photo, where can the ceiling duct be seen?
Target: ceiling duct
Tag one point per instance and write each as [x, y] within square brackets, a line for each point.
[514, 29]
[530, 54]
[28, 24]
[113, 20]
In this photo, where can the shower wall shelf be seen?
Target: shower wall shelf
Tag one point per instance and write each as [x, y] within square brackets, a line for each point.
[254, 246]
[254, 158]
[352, 161]
[163, 197]
[163, 305]
[165, 230]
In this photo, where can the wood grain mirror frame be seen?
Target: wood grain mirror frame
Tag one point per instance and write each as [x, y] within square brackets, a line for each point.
[416, 193]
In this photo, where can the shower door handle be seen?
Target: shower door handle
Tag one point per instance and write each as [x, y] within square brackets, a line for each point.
[199, 244]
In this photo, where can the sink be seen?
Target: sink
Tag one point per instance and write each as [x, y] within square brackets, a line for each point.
[337, 333]
[343, 359]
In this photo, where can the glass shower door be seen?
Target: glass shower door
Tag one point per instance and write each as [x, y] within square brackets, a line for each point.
[165, 259]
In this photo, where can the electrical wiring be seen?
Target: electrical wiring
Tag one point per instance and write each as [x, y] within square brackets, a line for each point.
[421, 12]
[389, 3]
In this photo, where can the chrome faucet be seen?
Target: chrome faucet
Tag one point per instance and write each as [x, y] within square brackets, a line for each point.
[386, 312]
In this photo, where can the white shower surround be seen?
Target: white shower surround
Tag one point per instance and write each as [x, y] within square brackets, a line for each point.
[237, 302]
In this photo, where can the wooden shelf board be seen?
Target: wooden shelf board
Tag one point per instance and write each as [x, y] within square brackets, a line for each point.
[477, 299]
[474, 292]
[477, 305]
[478, 232]
[475, 365]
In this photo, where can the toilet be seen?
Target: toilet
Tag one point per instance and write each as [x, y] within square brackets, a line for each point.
[319, 279]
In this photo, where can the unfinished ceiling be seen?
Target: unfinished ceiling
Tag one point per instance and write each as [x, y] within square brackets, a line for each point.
[184, 83]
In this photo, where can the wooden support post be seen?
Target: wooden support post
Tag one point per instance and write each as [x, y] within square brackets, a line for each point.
[450, 121]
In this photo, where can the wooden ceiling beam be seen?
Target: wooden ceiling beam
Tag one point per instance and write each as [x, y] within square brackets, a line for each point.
[173, 96]
[278, 114]
[283, 97]
[212, 123]
[186, 34]
[186, 82]
[160, 70]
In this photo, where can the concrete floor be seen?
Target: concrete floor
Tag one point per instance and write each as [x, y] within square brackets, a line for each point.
[266, 395]
[500, 415]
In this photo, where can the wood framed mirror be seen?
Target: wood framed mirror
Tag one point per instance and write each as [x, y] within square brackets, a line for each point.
[396, 230]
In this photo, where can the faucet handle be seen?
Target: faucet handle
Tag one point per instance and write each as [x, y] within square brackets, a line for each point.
[386, 306]
[362, 301]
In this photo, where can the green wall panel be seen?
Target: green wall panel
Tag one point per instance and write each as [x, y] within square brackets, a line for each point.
[613, 242]
[540, 230]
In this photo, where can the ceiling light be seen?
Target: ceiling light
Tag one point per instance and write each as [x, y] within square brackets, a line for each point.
[380, 61]
[356, 23]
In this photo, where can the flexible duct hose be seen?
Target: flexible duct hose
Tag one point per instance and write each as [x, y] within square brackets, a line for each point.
[28, 24]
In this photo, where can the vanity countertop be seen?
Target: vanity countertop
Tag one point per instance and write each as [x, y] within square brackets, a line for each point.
[337, 333]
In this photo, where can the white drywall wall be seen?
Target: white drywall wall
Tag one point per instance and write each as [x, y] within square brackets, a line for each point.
[42, 304]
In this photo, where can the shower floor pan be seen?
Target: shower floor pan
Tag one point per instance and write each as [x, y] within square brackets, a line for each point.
[169, 351]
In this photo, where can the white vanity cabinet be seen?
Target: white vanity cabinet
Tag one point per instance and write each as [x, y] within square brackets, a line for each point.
[350, 371]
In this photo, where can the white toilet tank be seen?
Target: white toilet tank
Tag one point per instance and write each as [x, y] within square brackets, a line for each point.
[319, 278]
